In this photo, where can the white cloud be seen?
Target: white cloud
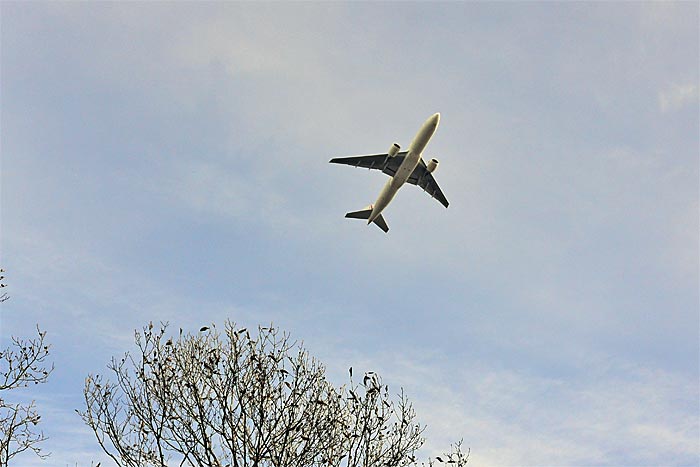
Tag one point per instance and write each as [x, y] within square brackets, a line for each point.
[608, 413]
[677, 96]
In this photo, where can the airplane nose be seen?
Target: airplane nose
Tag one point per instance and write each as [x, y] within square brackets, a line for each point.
[436, 119]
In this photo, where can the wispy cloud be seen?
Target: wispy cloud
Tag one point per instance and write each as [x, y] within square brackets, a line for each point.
[678, 96]
[606, 413]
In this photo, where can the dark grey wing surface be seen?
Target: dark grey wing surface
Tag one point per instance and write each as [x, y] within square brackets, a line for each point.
[425, 180]
[388, 165]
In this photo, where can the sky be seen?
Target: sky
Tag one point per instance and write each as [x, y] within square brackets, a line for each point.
[169, 162]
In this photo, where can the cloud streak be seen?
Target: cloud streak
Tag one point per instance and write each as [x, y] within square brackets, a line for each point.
[678, 96]
[612, 413]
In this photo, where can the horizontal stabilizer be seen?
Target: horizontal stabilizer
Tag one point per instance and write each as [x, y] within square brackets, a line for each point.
[365, 213]
[381, 223]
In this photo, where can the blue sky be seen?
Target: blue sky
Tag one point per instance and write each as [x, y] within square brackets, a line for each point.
[169, 162]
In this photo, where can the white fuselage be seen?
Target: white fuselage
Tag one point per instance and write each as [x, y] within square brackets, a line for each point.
[407, 166]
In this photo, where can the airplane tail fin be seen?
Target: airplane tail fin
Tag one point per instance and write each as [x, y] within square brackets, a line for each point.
[365, 213]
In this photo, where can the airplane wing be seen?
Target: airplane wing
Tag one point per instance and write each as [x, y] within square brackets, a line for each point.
[388, 165]
[425, 180]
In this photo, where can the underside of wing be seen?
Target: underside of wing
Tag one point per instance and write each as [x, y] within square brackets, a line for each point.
[382, 162]
[425, 180]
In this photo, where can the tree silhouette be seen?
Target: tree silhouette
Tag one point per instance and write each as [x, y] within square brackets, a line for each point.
[233, 399]
[22, 364]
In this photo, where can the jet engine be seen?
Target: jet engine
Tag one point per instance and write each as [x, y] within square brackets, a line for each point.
[394, 149]
[432, 165]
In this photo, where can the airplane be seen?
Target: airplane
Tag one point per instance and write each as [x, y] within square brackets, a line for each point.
[401, 167]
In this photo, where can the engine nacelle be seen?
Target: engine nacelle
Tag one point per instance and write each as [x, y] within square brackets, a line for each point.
[432, 165]
[394, 149]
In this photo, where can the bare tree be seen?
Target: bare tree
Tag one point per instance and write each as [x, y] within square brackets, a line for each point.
[3, 296]
[244, 401]
[22, 364]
